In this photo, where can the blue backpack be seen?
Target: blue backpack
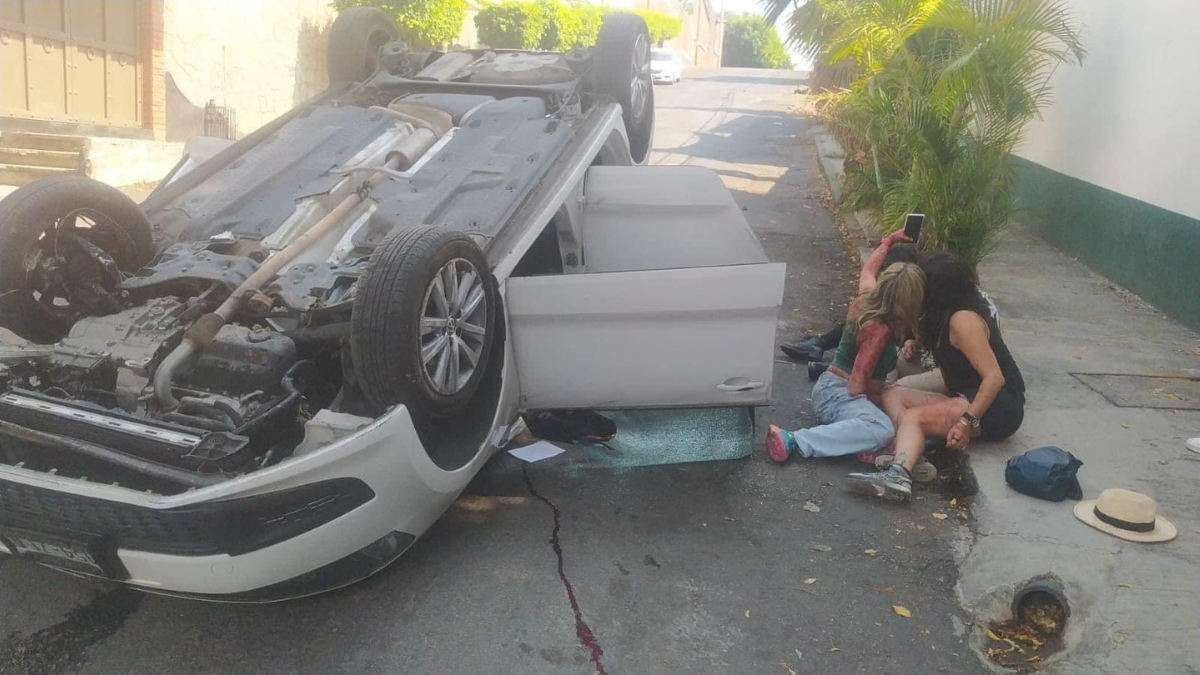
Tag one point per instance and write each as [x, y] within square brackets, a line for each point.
[1046, 473]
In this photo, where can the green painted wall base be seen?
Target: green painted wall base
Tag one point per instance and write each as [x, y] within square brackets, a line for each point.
[1151, 251]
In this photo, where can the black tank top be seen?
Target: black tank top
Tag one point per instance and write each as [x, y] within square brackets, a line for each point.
[961, 376]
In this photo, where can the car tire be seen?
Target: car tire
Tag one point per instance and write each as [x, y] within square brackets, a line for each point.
[621, 70]
[121, 231]
[398, 322]
[357, 35]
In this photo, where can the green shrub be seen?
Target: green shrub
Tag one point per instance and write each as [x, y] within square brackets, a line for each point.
[423, 24]
[662, 26]
[553, 25]
[512, 24]
[563, 25]
[751, 42]
[590, 19]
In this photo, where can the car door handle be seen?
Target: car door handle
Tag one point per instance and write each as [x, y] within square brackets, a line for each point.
[740, 384]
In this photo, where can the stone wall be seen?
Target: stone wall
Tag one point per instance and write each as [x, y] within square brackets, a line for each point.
[260, 58]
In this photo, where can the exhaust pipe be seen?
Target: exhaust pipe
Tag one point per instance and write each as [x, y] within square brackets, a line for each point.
[431, 125]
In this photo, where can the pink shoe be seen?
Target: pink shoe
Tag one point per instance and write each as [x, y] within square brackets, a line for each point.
[780, 444]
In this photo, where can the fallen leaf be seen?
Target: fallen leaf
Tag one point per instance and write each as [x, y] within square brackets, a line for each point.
[811, 507]
[789, 668]
[1158, 390]
[954, 502]
[799, 654]
[902, 611]
[886, 589]
[823, 548]
[1125, 425]
[1119, 639]
[1171, 395]
[939, 516]
[810, 581]
[920, 527]
[870, 551]
[901, 548]
[1033, 659]
[1124, 585]
[835, 649]
[747, 614]
[993, 636]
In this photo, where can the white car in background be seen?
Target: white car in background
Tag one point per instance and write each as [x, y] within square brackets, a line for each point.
[665, 66]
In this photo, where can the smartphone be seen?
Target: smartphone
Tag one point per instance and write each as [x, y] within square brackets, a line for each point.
[912, 225]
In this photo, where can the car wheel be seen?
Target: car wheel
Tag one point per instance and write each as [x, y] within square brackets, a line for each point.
[622, 71]
[422, 323]
[355, 40]
[64, 243]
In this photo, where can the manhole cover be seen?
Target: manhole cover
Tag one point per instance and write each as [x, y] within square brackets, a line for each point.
[1145, 391]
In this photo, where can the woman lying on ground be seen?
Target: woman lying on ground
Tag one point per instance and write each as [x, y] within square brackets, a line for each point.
[812, 348]
[884, 313]
[987, 392]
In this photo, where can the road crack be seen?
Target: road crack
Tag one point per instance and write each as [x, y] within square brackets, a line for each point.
[583, 632]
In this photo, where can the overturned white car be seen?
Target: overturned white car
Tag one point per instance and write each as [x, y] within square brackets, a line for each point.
[273, 375]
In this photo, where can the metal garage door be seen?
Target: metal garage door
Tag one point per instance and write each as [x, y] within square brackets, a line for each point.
[72, 61]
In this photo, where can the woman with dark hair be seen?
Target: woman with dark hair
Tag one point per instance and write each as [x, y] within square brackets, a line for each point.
[987, 392]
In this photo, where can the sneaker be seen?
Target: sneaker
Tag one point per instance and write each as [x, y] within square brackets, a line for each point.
[780, 444]
[893, 484]
[923, 472]
[1193, 444]
[807, 349]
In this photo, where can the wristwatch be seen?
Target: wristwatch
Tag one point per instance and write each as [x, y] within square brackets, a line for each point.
[970, 420]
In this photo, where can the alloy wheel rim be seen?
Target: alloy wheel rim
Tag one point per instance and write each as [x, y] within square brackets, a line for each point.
[453, 327]
[639, 85]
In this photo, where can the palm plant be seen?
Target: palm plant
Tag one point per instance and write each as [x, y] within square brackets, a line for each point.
[941, 95]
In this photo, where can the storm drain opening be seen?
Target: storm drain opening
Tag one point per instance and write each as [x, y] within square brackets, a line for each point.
[1040, 611]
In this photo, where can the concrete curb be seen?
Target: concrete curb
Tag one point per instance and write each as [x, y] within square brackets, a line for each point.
[831, 157]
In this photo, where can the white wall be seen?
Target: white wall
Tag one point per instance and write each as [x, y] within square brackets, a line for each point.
[1129, 119]
[260, 57]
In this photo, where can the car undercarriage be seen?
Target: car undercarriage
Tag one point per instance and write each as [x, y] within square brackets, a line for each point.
[207, 360]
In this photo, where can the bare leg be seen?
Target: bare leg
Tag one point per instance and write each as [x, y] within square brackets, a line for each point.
[928, 421]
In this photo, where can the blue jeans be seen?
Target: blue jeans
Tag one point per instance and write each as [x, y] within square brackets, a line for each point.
[849, 424]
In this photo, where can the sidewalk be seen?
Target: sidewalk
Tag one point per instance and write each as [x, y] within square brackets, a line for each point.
[1133, 605]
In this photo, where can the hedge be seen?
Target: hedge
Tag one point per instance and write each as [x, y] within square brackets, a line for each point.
[553, 25]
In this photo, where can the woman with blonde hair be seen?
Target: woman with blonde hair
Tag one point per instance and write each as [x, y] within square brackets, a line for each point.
[845, 397]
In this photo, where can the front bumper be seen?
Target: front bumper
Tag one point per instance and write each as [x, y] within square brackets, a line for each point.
[209, 542]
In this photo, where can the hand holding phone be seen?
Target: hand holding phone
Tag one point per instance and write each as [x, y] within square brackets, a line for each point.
[912, 225]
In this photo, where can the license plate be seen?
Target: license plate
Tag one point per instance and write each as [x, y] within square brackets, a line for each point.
[76, 555]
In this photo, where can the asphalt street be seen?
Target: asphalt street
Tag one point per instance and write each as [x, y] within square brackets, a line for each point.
[714, 567]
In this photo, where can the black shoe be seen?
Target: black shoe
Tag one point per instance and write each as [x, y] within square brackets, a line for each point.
[807, 349]
[816, 369]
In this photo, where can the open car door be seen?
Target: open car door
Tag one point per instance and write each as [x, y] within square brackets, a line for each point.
[675, 303]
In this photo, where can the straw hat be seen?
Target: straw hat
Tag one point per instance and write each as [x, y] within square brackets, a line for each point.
[1126, 514]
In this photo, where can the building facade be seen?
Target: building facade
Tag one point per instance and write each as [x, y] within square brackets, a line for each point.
[113, 87]
[1107, 174]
